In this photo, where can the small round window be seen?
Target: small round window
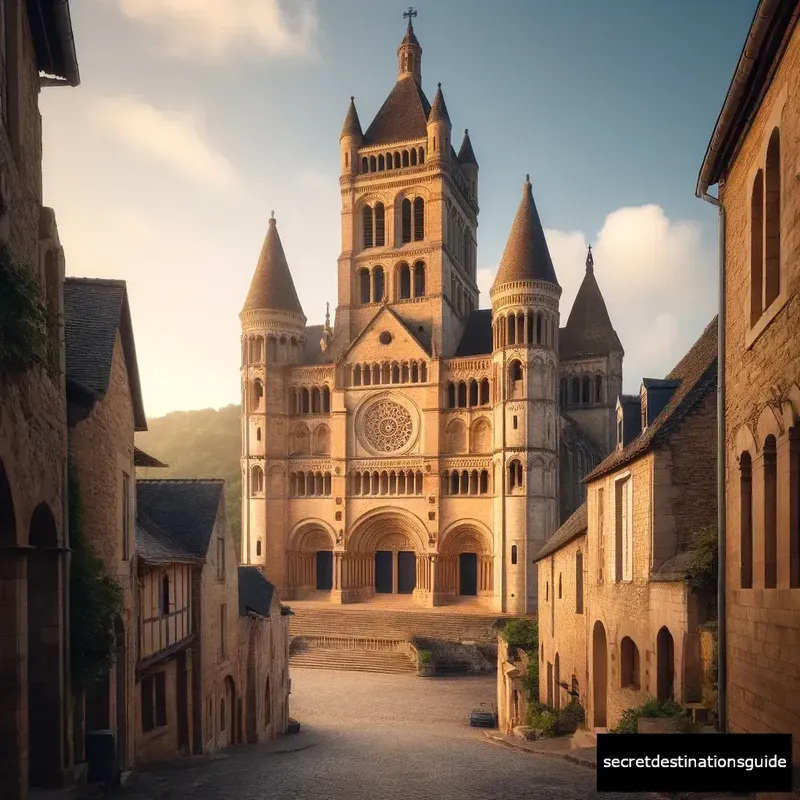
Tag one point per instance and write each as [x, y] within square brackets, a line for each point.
[385, 338]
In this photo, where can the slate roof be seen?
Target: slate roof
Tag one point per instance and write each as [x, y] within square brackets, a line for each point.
[526, 257]
[573, 528]
[185, 509]
[255, 592]
[697, 376]
[352, 125]
[659, 383]
[403, 115]
[272, 286]
[94, 310]
[466, 155]
[477, 337]
[439, 107]
[313, 352]
[155, 546]
[588, 331]
[142, 459]
[53, 40]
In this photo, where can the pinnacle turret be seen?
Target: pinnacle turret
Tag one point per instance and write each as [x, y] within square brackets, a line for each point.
[409, 54]
[466, 155]
[352, 125]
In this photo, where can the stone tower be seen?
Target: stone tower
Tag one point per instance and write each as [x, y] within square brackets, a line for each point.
[525, 323]
[591, 364]
[273, 340]
[409, 215]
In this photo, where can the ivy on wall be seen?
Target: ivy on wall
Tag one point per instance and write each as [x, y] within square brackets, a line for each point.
[28, 330]
[95, 600]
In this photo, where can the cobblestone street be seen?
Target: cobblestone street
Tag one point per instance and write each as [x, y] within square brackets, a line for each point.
[380, 737]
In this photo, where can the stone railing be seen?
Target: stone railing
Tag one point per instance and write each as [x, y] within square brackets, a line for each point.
[348, 643]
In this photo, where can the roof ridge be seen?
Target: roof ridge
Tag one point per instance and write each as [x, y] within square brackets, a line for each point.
[180, 480]
[115, 282]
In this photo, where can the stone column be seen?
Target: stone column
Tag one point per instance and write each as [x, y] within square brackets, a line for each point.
[433, 558]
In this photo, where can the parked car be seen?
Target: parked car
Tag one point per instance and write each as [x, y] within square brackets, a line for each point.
[483, 717]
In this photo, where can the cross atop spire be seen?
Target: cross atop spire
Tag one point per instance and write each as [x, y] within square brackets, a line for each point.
[589, 260]
[409, 15]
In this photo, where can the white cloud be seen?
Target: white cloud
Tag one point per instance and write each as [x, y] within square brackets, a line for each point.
[213, 29]
[658, 278]
[176, 138]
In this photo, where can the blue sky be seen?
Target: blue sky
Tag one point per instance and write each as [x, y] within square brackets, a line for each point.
[195, 118]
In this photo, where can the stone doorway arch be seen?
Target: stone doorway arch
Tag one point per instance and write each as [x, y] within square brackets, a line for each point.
[665, 665]
[465, 569]
[599, 675]
[310, 559]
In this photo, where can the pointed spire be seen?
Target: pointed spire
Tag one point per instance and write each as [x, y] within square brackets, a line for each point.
[327, 316]
[466, 155]
[352, 125]
[439, 108]
[272, 287]
[526, 257]
[589, 260]
[409, 54]
[410, 37]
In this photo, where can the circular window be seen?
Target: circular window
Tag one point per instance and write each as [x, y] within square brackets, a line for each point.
[385, 338]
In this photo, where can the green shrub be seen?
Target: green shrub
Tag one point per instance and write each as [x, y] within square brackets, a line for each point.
[570, 718]
[542, 719]
[530, 680]
[424, 658]
[655, 709]
[524, 634]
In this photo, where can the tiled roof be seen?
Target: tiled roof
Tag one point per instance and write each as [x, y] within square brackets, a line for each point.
[697, 376]
[352, 125]
[272, 286]
[477, 337]
[94, 310]
[155, 546]
[589, 331]
[574, 527]
[142, 459]
[185, 509]
[439, 107]
[526, 257]
[313, 352]
[466, 155]
[403, 116]
[410, 37]
[255, 592]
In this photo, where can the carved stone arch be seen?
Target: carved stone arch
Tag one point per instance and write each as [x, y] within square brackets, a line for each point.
[480, 440]
[301, 440]
[769, 423]
[790, 408]
[387, 521]
[311, 535]
[456, 436]
[466, 532]
[321, 440]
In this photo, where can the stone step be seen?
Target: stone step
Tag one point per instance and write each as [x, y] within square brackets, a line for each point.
[352, 661]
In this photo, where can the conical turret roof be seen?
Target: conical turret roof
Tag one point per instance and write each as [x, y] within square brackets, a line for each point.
[439, 108]
[272, 287]
[526, 257]
[589, 331]
[352, 125]
[466, 155]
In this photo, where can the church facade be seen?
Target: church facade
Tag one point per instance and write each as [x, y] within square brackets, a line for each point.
[420, 448]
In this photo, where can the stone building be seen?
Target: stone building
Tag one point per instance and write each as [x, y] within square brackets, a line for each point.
[104, 410]
[263, 657]
[417, 446]
[192, 513]
[37, 49]
[754, 158]
[618, 622]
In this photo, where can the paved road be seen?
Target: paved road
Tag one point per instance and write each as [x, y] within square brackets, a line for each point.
[384, 737]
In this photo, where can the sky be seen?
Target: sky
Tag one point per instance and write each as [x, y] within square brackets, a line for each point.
[196, 118]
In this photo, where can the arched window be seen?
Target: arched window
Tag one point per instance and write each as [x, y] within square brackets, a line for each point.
[405, 221]
[563, 392]
[579, 583]
[576, 391]
[421, 156]
[515, 474]
[586, 394]
[397, 160]
[419, 279]
[513, 554]
[363, 283]
[377, 284]
[258, 434]
[305, 401]
[485, 392]
[257, 480]
[258, 393]
[413, 157]
[258, 547]
[165, 596]
[381, 163]
[367, 219]
[372, 164]
[770, 514]
[757, 249]
[772, 265]
[598, 389]
[405, 158]
[380, 225]
[419, 219]
[315, 401]
[515, 378]
[746, 519]
[629, 663]
[462, 394]
[326, 400]
[512, 329]
[405, 282]
[364, 165]
[451, 395]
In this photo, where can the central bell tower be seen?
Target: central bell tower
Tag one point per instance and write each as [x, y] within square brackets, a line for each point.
[409, 214]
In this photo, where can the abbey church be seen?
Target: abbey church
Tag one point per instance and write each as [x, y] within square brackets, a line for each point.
[419, 449]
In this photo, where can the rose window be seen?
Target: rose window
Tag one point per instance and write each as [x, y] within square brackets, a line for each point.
[388, 426]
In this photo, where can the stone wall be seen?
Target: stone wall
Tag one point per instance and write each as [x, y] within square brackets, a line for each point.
[762, 367]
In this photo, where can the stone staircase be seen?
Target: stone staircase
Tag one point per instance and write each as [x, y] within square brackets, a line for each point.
[352, 660]
[388, 623]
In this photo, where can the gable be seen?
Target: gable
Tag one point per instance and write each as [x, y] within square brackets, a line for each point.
[368, 348]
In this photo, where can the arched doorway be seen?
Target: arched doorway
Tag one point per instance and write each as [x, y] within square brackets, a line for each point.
[599, 674]
[228, 712]
[465, 568]
[45, 634]
[310, 566]
[665, 665]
